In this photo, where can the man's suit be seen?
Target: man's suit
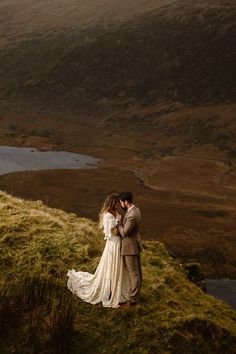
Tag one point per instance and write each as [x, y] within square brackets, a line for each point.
[131, 245]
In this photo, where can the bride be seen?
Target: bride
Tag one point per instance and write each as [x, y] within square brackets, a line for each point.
[110, 282]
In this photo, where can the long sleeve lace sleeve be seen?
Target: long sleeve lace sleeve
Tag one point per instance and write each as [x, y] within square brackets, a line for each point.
[109, 222]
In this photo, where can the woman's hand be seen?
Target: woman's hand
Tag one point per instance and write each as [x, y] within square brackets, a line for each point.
[118, 217]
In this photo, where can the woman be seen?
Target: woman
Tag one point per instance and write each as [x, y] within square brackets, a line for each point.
[110, 282]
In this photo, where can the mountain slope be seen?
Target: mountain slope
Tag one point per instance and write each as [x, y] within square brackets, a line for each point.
[182, 51]
[21, 20]
[39, 244]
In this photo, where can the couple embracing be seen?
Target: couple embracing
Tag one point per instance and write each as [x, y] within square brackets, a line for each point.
[117, 279]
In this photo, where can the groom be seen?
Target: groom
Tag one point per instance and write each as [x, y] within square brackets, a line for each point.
[131, 243]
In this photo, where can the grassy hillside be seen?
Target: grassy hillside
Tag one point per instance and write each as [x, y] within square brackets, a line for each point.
[38, 314]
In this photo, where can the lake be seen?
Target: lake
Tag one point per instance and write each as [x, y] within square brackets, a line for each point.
[224, 289]
[15, 159]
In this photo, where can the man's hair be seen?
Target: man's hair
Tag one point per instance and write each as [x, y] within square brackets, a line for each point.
[126, 196]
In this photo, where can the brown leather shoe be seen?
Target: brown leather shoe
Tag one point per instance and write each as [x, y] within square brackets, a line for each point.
[133, 303]
[125, 304]
[128, 304]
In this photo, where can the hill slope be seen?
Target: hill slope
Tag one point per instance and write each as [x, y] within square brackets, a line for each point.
[39, 244]
[183, 51]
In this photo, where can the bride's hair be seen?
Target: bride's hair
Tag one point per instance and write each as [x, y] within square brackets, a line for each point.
[109, 205]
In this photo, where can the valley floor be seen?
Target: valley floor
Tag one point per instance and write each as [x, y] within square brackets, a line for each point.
[186, 190]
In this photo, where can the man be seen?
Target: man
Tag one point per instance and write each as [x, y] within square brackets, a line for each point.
[131, 243]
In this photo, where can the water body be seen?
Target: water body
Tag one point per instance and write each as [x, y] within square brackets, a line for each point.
[224, 289]
[15, 159]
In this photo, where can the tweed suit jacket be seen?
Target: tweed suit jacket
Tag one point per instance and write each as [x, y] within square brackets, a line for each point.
[131, 243]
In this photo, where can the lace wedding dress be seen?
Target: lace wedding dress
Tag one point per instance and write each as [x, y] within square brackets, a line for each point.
[110, 282]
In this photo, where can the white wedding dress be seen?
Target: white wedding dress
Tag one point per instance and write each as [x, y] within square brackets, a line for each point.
[110, 282]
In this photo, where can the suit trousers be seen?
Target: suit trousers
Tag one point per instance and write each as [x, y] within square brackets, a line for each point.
[133, 265]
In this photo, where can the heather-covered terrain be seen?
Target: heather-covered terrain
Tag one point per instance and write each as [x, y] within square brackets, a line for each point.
[183, 51]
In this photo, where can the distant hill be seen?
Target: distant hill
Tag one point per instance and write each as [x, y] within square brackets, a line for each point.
[38, 313]
[174, 51]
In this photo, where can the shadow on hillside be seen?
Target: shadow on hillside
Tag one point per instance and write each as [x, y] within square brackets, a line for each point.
[36, 316]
